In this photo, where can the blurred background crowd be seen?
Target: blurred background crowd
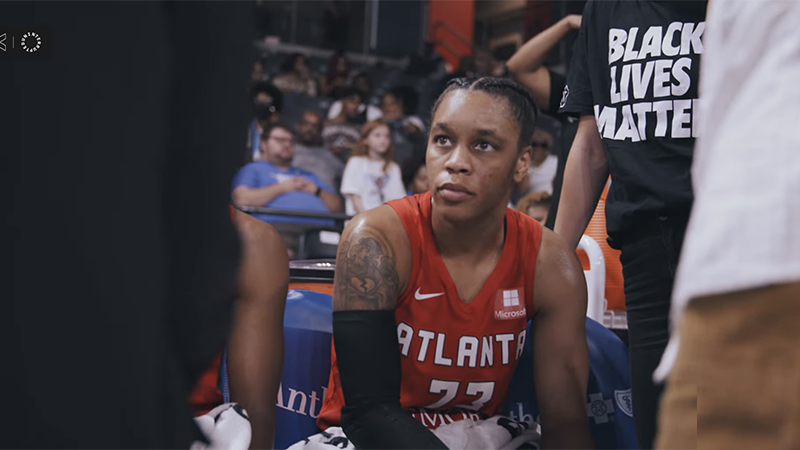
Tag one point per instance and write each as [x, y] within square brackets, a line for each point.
[342, 92]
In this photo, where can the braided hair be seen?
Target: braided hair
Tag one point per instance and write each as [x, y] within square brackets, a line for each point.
[519, 99]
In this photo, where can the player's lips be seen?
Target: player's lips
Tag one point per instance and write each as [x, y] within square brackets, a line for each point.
[454, 192]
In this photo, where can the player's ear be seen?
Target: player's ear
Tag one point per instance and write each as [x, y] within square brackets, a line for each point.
[523, 163]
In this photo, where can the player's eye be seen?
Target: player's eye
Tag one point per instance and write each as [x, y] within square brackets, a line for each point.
[441, 140]
[485, 146]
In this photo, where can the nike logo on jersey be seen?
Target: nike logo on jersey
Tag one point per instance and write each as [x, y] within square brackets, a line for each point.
[419, 296]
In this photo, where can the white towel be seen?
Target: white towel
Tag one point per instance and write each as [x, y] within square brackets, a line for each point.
[496, 433]
[227, 427]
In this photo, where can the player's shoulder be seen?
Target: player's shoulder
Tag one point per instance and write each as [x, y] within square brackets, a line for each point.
[557, 264]
[383, 222]
[378, 235]
[553, 248]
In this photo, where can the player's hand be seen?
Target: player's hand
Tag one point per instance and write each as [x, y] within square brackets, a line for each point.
[574, 21]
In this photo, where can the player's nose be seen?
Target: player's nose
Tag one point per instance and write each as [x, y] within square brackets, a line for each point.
[459, 160]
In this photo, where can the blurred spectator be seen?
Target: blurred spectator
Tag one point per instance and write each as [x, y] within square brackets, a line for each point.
[338, 74]
[483, 63]
[273, 182]
[342, 131]
[400, 105]
[407, 130]
[363, 86]
[543, 163]
[430, 63]
[311, 155]
[267, 105]
[479, 64]
[294, 75]
[535, 205]
[257, 72]
[415, 176]
[371, 176]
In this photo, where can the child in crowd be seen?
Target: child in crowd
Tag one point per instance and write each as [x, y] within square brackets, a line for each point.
[535, 205]
[372, 176]
[415, 176]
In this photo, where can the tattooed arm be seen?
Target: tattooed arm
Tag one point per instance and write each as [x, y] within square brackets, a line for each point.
[372, 268]
[366, 264]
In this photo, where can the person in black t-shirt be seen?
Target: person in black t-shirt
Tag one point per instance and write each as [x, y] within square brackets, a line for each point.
[633, 80]
[546, 87]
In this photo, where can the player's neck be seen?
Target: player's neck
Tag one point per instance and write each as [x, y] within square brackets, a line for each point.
[476, 238]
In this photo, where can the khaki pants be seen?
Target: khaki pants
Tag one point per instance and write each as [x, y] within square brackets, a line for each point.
[736, 381]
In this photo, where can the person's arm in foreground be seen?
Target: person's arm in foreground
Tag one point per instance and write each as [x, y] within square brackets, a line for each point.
[255, 349]
[560, 353]
[373, 254]
[525, 66]
[584, 178]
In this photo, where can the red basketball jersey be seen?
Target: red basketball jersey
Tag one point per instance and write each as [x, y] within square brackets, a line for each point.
[457, 359]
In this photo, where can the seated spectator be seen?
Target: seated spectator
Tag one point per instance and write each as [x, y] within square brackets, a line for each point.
[484, 63]
[257, 72]
[273, 182]
[363, 86]
[399, 106]
[543, 164]
[371, 176]
[294, 75]
[415, 176]
[310, 154]
[337, 76]
[341, 132]
[535, 205]
[267, 105]
[430, 63]
[479, 64]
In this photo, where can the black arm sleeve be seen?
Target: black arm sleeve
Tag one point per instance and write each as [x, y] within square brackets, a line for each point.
[557, 83]
[369, 368]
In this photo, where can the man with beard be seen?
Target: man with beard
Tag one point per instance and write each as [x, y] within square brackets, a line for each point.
[312, 155]
[273, 182]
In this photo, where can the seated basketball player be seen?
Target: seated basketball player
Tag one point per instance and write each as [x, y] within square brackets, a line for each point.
[433, 292]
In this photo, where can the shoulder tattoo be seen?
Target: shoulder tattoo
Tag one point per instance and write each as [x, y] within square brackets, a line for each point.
[366, 277]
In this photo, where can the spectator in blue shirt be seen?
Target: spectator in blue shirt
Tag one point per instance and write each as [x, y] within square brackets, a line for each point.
[273, 182]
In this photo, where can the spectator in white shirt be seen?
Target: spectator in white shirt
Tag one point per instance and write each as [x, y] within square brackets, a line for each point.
[371, 176]
[543, 164]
